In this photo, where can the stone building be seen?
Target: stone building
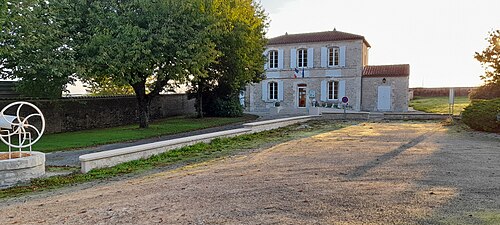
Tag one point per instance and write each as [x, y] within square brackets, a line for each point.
[319, 69]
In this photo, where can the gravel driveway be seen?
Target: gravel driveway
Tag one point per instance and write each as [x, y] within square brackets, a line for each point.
[373, 173]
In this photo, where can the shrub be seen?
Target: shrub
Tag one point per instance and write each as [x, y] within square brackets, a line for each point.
[487, 91]
[482, 115]
[224, 108]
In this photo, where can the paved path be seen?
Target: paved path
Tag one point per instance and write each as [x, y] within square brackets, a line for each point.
[374, 173]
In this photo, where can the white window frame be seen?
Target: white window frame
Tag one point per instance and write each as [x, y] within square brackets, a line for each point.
[333, 56]
[302, 58]
[273, 91]
[331, 87]
[273, 59]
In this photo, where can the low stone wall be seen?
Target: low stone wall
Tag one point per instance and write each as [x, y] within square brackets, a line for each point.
[440, 92]
[348, 116]
[82, 113]
[117, 156]
[17, 170]
[415, 116]
[277, 123]
[121, 155]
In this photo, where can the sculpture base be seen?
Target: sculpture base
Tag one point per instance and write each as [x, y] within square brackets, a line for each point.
[15, 170]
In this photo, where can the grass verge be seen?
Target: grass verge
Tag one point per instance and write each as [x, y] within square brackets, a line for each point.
[182, 156]
[90, 138]
[439, 104]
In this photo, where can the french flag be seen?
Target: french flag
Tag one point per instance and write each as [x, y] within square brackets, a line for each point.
[296, 74]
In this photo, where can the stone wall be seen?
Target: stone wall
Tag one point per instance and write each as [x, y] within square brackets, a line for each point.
[82, 113]
[440, 92]
[399, 93]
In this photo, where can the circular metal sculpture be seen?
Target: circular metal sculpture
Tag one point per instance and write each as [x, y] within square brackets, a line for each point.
[21, 125]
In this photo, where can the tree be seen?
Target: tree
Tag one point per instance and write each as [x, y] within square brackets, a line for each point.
[3, 11]
[239, 35]
[490, 58]
[35, 49]
[136, 41]
[106, 86]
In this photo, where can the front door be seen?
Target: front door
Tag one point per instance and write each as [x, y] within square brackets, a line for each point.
[384, 98]
[302, 97]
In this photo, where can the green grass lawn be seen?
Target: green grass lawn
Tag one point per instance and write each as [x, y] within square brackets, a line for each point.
[439, 104]
[88, 138]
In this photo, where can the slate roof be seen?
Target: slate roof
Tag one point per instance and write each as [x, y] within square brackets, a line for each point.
[402, 70]
[315, 37]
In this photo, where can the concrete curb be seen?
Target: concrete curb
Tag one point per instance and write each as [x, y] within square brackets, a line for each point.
[114, 157]
[121, 155]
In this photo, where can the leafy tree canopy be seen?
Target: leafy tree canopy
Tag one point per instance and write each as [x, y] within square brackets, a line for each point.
[239, 35]
[34, 48]
[136, 41]
[490, 58]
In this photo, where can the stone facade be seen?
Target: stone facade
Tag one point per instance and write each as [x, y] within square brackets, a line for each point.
[399, 93]
[346, 76]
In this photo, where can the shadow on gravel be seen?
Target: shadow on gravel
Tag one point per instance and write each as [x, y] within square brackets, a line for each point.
[468, 163]
[363, 169]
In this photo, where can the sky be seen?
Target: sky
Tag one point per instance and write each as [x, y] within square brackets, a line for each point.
[437, 38]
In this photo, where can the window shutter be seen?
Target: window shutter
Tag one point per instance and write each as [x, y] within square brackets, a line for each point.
[280, 90]
[342, 56]
[310, 57]
[266, 56]
[264, 90]
[280, 58]
[324, 57]
[293, 58]
[341, 89]
[323, 91]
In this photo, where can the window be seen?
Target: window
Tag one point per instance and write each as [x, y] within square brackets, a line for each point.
[333, 90]
[273, 91]
[333, 56]
[302, 58]
[273, 59]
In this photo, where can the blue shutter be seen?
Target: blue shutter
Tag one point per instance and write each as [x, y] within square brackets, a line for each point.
[264, 90]
[280, 59]
[341, 89]
[323, 91]
[310, 57]
[324, 57]
[280, 90]
[293, 58]
[266, 65]
[342, 56]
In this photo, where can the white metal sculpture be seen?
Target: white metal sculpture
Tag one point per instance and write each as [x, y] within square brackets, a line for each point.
[16, 131]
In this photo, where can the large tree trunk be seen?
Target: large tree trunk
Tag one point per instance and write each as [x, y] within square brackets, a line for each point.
[143, 101]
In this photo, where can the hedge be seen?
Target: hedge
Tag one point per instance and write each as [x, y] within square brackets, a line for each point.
[483, 115]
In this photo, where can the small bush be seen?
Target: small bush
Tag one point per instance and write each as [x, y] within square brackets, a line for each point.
[487, 91]
[482, 115]
[225, 108]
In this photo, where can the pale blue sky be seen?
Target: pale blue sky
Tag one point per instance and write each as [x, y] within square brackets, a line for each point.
[437, 38]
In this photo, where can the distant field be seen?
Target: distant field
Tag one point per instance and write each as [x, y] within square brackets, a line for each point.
[439, 104]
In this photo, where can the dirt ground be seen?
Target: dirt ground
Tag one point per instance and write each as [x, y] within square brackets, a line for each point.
[373, 173]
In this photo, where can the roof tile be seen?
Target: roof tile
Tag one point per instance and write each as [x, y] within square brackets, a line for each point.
[315, 37]
[387, 71]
